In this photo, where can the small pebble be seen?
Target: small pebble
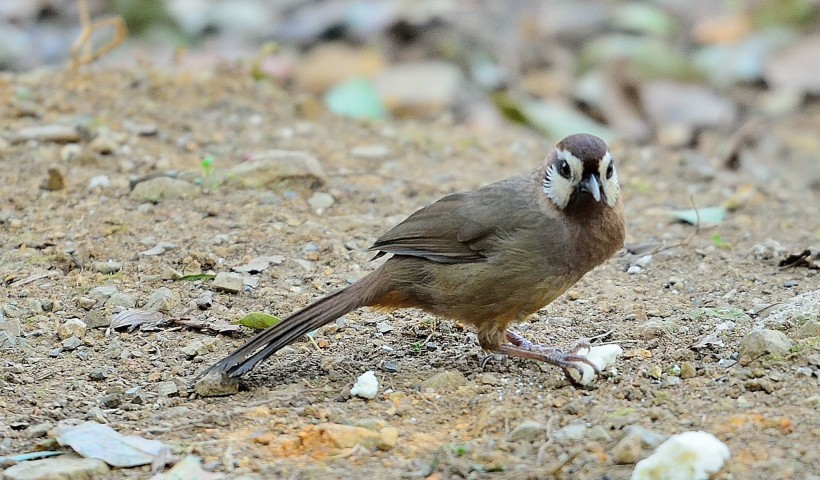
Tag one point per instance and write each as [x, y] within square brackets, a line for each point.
[73, 327]
[228, 282]
[167, 389]
[321, 201]
[687, 370]
[106, 268]
[71, 343]
[392, 366]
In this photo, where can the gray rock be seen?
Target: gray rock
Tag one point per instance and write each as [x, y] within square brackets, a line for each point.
[158, 249]
[85, 303]
[321, 201]
[12, 327]
[769, 251]
[97, 319]
[204, 301]
[571, 433]
[66, 467]
[798, 311]
[6, 340]
[656, 328]
[39, 430]
[123, 300]
[445, 381]
[762, 342]
[271, 167]
[46, 133]
[425, 88]
[163, 188]
[73, 327]
[71, 343]
[528, 431]
[228, 282]
[106, 268]
[167, 389]
[599, 434]
[162, 300]
[628, 449]
[809, 328]
[103, 144]
[371, 152]
[687, 370]
[12, 311]
[103, 293]
[194, 348]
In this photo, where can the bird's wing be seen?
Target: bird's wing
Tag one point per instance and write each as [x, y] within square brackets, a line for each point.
[460, 227]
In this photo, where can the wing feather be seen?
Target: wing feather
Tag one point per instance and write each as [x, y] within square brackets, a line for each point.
[460, 227]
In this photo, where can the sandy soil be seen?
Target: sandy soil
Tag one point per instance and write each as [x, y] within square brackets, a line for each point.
[764, 410]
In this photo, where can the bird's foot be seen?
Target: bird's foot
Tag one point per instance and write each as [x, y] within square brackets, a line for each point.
[574, 362]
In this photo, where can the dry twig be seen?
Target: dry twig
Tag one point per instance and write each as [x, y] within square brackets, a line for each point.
[82, 52]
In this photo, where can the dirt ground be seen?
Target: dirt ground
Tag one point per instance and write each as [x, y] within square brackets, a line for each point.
[50, 241]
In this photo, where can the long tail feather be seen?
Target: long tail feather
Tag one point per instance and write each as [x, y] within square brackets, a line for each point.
[322, 312]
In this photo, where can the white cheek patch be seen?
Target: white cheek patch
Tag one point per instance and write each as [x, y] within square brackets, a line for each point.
[558, 188]
[610, 186]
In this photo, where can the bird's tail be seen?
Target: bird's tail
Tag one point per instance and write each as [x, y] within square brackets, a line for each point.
[364, 292]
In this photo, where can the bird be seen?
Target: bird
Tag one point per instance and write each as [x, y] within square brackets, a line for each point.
[486, 258]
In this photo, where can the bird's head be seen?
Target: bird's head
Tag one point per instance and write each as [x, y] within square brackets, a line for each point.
[579, 172]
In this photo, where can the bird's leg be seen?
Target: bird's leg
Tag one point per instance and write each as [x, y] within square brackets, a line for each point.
[523, 348]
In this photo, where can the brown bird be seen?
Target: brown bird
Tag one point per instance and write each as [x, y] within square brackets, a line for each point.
[486, 258]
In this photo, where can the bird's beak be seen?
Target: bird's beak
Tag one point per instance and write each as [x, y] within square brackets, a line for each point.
[592, 186]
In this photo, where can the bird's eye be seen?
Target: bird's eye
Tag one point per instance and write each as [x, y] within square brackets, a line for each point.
[564, 169]
[610, 170]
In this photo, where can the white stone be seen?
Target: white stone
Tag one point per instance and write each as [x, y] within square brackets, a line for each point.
[687, 456]
[601, 356]
[366, 386]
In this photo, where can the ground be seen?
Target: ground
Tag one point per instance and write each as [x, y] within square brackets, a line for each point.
[763, 409]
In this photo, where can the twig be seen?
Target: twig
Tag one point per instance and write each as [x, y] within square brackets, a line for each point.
[82, 52]
[33, 278]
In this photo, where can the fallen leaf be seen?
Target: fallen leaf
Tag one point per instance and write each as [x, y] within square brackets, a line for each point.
[94, 440]
[707, 215]
[217, 326]
[710, 340]
[802, 259]
[196, 277]
[258, 320]
[132, 318]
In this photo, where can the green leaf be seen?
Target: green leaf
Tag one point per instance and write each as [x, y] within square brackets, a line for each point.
[710, 215]
[355, 98]
[258, 320]
[194, 278]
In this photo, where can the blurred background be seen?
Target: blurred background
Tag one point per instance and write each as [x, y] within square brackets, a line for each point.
[651, 71]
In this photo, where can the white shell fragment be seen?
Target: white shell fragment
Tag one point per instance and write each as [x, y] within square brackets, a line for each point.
[602, 356]
[366, 386]
[687, 456]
